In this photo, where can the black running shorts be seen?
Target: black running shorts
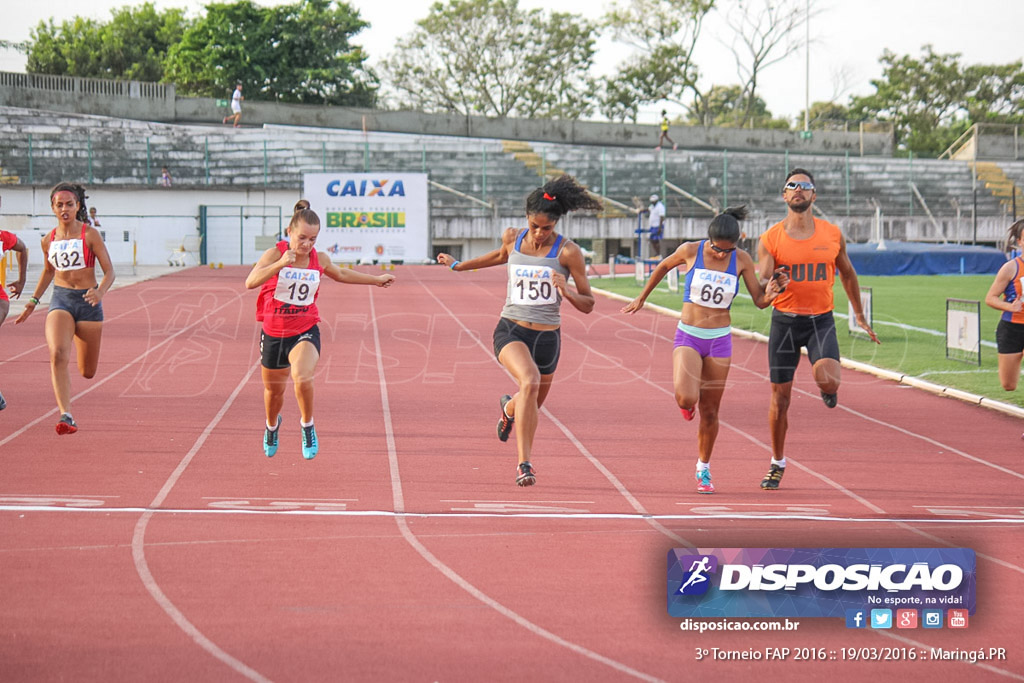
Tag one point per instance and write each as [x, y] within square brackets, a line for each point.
[274, 351]
[791, 332]
[544, 345]
[1009, 337]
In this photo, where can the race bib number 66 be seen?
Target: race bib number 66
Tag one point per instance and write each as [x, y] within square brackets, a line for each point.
[532, 285]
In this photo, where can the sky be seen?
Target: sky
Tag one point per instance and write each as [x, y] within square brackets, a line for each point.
[847, 38]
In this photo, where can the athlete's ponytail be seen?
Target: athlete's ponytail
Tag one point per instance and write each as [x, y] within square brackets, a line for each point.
[725, 226]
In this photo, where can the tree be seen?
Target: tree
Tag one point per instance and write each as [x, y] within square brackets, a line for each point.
[932, 100]
[726, 106]
[492, 58]
[765, 33]
[664, 34]
[291, 53]
[131, 46]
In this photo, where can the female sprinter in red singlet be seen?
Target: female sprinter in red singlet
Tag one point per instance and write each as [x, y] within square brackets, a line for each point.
[9, 242]
[288, 275]
[75, 317]
[703, 346]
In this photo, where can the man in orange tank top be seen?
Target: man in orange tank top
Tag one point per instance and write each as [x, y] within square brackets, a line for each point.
[812, 250]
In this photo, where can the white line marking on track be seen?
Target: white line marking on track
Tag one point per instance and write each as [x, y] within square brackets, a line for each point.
[510, 515]
[98, 383]
[403, 527]
[139, 548]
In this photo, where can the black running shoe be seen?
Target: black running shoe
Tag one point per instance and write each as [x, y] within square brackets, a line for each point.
[66, 425]
[830, 399]
[525, 476]
[505, 422]
[772, 479]
[3, 403]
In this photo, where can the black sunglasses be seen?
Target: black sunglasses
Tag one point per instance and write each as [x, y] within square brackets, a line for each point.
[799, 185]
[719, 250]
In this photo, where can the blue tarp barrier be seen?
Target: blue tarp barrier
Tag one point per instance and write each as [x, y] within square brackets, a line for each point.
[917, 258]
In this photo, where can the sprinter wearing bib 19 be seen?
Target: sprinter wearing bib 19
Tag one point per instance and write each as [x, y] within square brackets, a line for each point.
[527, 340]
[288, 275]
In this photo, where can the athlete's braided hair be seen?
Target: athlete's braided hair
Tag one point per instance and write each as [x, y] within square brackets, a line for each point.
[725, 226]
[79, 192]
[560, 196]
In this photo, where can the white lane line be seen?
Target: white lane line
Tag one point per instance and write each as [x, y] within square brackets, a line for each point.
[143, 307]
[584, 516]
[612, 479]
[448, 572]
[139, 548]
[126, 366]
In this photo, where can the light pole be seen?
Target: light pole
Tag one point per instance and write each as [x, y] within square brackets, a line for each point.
[807, 67]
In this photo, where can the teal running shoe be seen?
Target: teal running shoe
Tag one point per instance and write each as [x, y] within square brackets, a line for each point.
[704, 484]
[310, 444]
[270, 439]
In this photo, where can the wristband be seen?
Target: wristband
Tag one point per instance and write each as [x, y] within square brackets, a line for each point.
[34, 301]
[453, 264]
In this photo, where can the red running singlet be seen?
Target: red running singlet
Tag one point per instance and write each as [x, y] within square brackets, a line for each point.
[287, 302]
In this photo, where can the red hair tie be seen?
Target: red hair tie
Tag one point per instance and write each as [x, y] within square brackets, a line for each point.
[548, 197]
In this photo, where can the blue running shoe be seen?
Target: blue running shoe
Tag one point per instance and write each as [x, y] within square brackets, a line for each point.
[270, 439]
[310, 445]
[3, 403]
[704, 484]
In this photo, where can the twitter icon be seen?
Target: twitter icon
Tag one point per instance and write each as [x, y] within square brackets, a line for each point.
[881, 618]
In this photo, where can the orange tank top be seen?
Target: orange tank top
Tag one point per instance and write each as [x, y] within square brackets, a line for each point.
[812, 267]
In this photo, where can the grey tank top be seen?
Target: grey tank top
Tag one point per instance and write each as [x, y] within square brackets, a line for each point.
[531, 295]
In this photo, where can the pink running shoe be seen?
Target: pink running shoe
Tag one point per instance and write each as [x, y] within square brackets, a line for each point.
[688, 414]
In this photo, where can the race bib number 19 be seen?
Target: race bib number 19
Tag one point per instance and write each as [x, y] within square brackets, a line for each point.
[532, 285]
[297, 286]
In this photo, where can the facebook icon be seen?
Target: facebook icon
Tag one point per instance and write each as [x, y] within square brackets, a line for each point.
[856, 618]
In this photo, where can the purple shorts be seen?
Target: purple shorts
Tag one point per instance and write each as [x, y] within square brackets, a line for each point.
[719, 347]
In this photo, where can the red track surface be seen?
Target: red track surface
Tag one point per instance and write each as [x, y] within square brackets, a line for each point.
[159, 544]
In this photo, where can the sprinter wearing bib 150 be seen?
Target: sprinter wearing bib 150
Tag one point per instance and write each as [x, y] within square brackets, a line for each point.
[702, 352]
[527, 340]
[288, 275]
[75, 318]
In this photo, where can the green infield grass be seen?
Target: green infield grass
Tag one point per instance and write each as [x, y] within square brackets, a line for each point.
[909, 319]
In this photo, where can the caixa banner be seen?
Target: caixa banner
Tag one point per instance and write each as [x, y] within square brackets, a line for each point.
[380, 217]
[817, 582]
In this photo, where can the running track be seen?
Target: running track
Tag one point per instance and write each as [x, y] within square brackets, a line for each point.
[159, 544]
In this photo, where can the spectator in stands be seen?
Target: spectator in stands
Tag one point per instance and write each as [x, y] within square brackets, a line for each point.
[288, 275]
[656, 225]
[75, 319]
[236, 106]
[527, 339]
[165, 177]
[811, 251]
[664, 131]
[702, 351]
[93, 220]
[1007, 295]
[9, 242]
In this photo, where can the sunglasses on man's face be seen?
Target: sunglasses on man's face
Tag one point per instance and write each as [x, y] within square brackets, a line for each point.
[719, 250]
[799, 185]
